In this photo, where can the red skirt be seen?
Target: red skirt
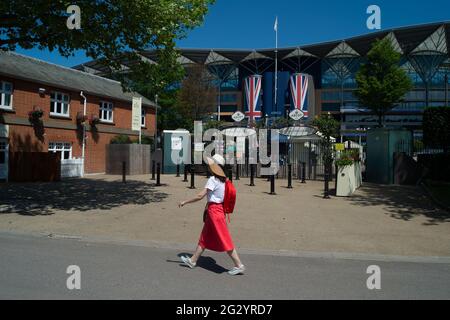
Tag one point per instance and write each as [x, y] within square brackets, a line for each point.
[215, 235]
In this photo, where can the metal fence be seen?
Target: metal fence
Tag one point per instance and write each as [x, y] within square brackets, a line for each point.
[307, 154]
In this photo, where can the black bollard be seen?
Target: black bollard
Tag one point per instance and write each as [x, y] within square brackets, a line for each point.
[124, 172]
[192, 169]
[252, 175]
[178, 170]
[304, 172]
[290, 176]
[158, 175]
[153, 169]
[186, 173]
[230, 173]
[237, 173]
[326, 193]
[272, 185]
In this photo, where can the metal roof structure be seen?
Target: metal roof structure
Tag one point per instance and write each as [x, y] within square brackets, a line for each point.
[409, 41]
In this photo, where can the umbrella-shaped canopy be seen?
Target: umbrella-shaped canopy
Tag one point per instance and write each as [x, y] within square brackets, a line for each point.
[299, 131]
[239, 132]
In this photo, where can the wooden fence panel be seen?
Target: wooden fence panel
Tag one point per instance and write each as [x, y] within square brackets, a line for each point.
[34, 167]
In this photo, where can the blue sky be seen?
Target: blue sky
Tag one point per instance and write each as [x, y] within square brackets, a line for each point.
[248, 24]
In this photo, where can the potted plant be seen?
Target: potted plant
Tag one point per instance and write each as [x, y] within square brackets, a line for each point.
[345, 182]
[81, 118]
[35, 118]
[36, 114]
[347, 175]
[94, 120]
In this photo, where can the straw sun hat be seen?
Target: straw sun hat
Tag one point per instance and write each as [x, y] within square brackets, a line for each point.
[215, 165]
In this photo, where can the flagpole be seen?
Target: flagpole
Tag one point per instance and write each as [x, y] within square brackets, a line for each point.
[276, 64]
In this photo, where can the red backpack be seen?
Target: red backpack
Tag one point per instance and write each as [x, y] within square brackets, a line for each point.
[229, 200]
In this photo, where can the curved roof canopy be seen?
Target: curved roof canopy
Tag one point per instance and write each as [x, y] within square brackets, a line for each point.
[413, 40]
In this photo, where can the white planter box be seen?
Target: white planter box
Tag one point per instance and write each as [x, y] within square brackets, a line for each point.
[71, 168]
[349, 179]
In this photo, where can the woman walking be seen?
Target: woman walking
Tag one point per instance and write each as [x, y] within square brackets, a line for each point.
[215, 235]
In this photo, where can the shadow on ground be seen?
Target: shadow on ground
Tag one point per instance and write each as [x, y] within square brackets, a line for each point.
[401, 202]
[32, 199]
[206, 263]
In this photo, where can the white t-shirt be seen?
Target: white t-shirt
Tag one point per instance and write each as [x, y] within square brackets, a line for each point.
[216, 190]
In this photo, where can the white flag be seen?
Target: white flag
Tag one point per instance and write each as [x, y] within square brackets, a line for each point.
[275, 27]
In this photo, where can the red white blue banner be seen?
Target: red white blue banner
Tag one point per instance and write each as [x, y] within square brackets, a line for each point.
[253, 97]
[299, 92]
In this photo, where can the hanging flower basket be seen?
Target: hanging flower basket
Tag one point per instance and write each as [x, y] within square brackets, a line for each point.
[36, 114]
[94, 120]
[81, 118]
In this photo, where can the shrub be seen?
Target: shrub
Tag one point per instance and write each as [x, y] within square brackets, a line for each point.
[121, 139]
[436, 129]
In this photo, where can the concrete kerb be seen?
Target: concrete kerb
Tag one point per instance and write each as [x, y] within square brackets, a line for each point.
[243, 251]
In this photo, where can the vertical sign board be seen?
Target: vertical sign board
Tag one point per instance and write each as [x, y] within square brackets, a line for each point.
[136, 116]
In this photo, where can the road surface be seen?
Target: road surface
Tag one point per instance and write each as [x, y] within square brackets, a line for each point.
[36, 268]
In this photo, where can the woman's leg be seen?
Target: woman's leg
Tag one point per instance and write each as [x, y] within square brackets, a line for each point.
[197, 254]
[235, 257]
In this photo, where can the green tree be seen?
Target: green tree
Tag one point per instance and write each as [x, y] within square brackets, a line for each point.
[328, 128]
[382, 83]
[110, 31]
[436, 130]
[170, 116]
[197, 97]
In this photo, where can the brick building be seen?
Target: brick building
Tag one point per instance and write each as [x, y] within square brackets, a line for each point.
[28, 84]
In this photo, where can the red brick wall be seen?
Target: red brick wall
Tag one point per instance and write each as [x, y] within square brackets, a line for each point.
[23, 137]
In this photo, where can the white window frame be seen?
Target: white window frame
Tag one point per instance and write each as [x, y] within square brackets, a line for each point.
[3, 94]
[143, 115]
[54, 102]
[107, 108]
[60, 147]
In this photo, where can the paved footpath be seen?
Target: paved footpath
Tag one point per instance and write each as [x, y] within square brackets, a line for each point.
[35, 268]
[389, 220]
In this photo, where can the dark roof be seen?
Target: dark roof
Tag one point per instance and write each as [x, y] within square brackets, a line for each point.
[408, 37]
[19, 66]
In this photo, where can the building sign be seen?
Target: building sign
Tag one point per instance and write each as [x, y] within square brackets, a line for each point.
[339, 146]
[136, 116]
[238, 116]
[296, 115]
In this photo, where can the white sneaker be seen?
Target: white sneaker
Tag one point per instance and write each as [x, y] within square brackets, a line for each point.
[188, 262]
[236, 271]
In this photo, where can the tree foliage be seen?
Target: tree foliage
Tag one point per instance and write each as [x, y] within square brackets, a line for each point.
[111, 30]
[436, 129]
[328, 127]
[382, 83]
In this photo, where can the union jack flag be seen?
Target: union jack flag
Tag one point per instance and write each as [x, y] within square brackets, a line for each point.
[253, 94]
[299, 92]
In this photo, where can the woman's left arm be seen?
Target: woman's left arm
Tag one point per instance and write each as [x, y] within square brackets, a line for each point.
[198, 198]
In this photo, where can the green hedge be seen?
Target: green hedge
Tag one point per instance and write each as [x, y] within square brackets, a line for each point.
[124, 139]
[436, 127]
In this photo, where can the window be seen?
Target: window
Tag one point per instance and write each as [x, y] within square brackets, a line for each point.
[64, 148]
[6, 90]
[143, 114]
[59, 105]
[2, 152]
[106, 111]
